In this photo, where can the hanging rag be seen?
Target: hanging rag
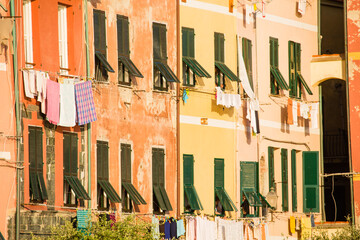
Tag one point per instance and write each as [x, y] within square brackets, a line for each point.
[32, 84]
[248, 114]
[302, 6]
[257, 229]
[297, 224]
[314, 115]
[155, 226]
[237, 101]
[173, 229]
[167, 230]
[191, 229]
[298, 109]
[26, 76]
[43, 103]
[52, 101]
[312, 220]
[290, 112]
[227, 100]
[219, 96]
[67, 105]
[294, 112]
[221, 231]
[6, 27]
[185, 95]
[180, 228]
[84, 103]
[305, 228]
[162, 228]
[292, 224]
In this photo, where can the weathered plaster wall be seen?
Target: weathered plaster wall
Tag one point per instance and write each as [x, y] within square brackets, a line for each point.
[138, 115]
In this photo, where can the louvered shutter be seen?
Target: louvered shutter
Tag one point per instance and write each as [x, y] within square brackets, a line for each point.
[74, 155]
[271, 167]
[219, 173]
[284, 179]
[293, 180]
[188, 169]
[66, 153]
[311, 181]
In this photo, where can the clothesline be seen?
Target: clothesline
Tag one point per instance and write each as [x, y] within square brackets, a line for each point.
[57, 74]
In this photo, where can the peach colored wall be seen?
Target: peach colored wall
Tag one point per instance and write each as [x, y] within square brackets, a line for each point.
[7, 133]
[145, 119]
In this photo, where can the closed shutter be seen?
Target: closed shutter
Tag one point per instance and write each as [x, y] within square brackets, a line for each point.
[247, 55]
[126, 163]
[311, 181]
[163, 43]
[293, 180]
[74, 155]
[123, 35]
[66, 153]
[191, 43]
[188, 169]
[248, 176]
[102, 160]
[39, 150]
[99, 160]
[105, 162]
[188, 42]
[32, 149]
[219, 173]
[284, 179]
[292, 69]
[100, 31]
[219, 47]
[161, 164]
[155, 167]
[271, 168]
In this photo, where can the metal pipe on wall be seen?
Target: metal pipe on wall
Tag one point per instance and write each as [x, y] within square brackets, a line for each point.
[18, 124]
[178, 108]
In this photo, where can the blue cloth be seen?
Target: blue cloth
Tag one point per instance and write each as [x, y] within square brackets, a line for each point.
[312, 220]
[173, 230]
[180, 228]
[185, 96]
[167, 230]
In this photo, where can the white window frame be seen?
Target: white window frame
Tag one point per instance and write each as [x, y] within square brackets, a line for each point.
[63, 39]
[28, 34]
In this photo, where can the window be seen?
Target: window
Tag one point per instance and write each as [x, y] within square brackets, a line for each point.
[73, 189]
[295, 77]
[220, 192]
[105, 191]
[221, 70]
[293, 180]
[284, 180]
[249, 187]
[191, 67]
[128, 192]
[191, 198]
[38, 191]
[271, 168]
[63, 47]
[161, 200]
[311, 181]
[277, 81]
[125, 66]
[28, 38]
[247, 55]
[101, 64]
[162, 72]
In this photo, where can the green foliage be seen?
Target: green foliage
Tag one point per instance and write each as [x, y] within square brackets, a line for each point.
[125, 229]
[346, 233]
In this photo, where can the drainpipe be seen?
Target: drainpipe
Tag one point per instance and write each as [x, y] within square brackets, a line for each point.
[348, 113]
[87, 75]
[18, 124]
[178, 62]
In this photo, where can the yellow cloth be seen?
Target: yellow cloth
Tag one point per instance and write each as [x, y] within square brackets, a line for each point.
[305, 228]
[292, 224]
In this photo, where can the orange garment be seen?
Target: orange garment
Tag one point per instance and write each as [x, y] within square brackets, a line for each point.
[290, 113]
[263, 233]
[298, 109]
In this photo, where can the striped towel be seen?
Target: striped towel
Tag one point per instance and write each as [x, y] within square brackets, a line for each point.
[84, 103]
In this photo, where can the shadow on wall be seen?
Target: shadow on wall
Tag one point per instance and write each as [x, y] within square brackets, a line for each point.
[221, 110]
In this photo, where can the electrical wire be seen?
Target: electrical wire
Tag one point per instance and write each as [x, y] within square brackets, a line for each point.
[332, 195]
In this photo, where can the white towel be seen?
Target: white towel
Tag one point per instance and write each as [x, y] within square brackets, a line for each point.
[67, 105]
[43, 103]
[227, 100]
[248, 114]
[237, 101]
[294, 111]
[32, 84]
[302, 6]
[26, 85]
[314, 115]
[219, 96]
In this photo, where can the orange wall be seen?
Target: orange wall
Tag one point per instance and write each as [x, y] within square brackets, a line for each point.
[146, 118]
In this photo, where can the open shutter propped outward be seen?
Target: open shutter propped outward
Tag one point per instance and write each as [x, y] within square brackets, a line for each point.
[189, 188]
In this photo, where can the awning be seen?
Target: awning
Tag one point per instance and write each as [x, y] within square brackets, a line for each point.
[37, 186]
[166, 72]
[226, 71]
[263, 201]
[133, 193]
[104, 62]
[77, 187]
[162, 198]
[130, 66]
[252, 198]
[110, 191]
[279, 78]
[196, 67]
[193, 197]
[298, 74]
[225, 200]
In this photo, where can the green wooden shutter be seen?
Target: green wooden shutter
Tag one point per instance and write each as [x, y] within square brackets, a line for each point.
[99, 160]
[161, 164]
[102, 160]
[271, 168]
[123, 35]
[155, 167]
[105, 163]
[100, 31]
[219, 173]
[185, 42]
[126, 163]
[191, 43]
[293, 180]
[248, 176]
[311, 181]
[188, 169]
[219, 47]
[272, 53]
[284, 179]
[297, 69]
[32, 149]
[163, 44]
[222, 48]
[156, 41]
[247, 55]
[74, 155]
[39, 150]
[276, 52]
[216, 46]
[66, 153]
[292, 69]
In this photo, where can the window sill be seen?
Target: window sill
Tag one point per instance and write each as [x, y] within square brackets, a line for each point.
[125, 86]
[161, 91]
[188, 85]
[101, 82]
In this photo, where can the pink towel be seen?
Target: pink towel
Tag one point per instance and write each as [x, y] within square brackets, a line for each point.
[52, 101]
